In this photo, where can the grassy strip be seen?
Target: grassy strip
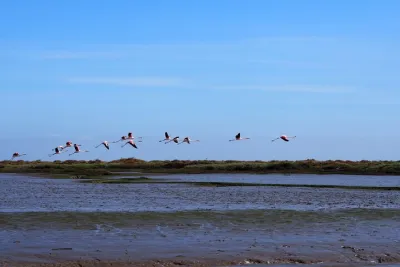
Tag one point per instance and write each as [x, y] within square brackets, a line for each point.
[96, 168]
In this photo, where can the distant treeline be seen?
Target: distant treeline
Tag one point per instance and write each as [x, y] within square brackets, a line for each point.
[99, 168]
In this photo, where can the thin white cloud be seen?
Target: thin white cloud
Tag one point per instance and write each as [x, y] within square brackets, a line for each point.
[133, 82]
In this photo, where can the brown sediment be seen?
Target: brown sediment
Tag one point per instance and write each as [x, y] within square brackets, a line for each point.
[284, 254]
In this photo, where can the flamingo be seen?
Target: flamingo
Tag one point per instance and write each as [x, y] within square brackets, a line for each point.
[188, 140]
[131, 142]
[238, 138]
[58, 150]
[284, 138]
[105, 144]
[67, 144]
[123, 138]
[175, 139]
[167, 137]
[16, 155]
[131, 137]
[77, 150]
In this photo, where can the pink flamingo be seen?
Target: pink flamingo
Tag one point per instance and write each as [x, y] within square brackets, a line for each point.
[238, 138]
[77, 150]
[105, 144]
[284, 138]
[175, 139]
[16, 155]
[131, 142]
[188, 140]
[58, 150]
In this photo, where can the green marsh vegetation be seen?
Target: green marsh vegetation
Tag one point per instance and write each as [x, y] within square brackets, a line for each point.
[98, 168]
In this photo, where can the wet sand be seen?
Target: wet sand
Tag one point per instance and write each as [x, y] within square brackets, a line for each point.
[50, 222]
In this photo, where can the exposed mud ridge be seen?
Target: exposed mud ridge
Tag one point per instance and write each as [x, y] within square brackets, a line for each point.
[351, 256]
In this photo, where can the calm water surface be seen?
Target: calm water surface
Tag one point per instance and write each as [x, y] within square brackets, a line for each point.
[312, 179]
[24, 193]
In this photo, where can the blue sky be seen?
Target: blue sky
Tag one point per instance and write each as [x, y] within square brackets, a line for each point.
[88, 71]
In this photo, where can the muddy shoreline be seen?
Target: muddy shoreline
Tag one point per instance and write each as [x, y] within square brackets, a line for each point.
[365, 255]
[200, 238]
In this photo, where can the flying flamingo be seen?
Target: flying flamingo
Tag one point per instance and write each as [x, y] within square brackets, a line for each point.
[167, 137]
[57, 151]
[105, 144]
[175, 139]
[16, 155]
[238, 138]
[67, 144]
[131, 142]
[123, 138]
[188, 140]
[77, 149]
[284, 138]
[131, 137]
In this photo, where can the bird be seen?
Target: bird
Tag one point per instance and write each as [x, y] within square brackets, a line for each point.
[16, 155]
[131, 142]
[175, 139]
[188, 140]
[58, 150]
[77, 149]
[105, 144]
[67, 144]
[167, 137]
[131, 137]
[284, 138]
[58, 147]
[123, 138]
[238, 138]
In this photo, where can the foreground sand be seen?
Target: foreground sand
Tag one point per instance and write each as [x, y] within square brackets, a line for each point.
[325, 255]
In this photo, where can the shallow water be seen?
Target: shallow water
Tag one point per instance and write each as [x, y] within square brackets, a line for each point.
[24, 193]
[312, 179]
